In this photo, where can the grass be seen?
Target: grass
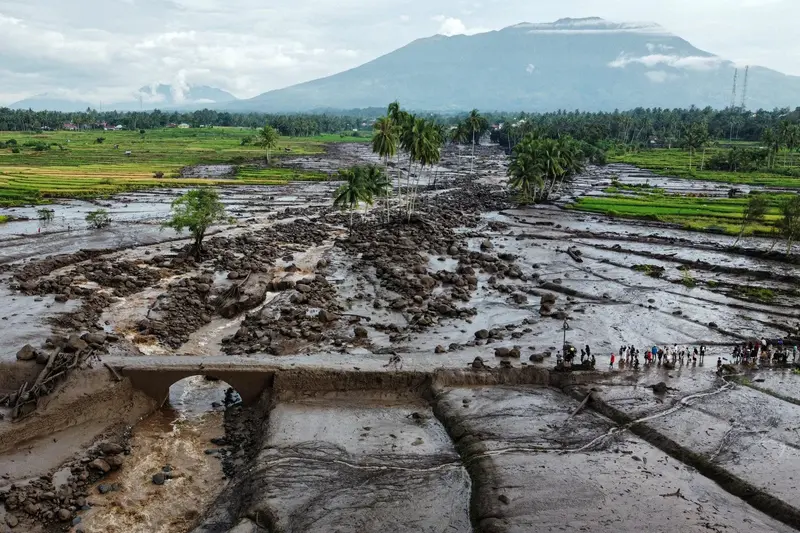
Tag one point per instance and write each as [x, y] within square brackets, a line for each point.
[4, 219]
[721, 215]
[76, 165]
[675, 162]
[759, 294]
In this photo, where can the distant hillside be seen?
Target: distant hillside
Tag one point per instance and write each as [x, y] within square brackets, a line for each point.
[587, 64]
[147, 98]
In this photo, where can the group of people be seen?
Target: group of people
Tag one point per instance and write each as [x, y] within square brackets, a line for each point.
[765, 352]
[674, 356]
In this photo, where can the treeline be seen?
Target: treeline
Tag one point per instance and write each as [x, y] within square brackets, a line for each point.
[294, 125]
[642, 127]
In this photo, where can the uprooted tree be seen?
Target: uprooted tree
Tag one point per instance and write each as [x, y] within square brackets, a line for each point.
[98, 219]
[197, 210]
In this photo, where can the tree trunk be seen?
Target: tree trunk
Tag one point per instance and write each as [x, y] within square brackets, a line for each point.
[350, 230]
[703, 163]
[472, 164]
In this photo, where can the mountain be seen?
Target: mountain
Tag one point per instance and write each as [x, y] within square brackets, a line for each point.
[156, 96]
[587, 64]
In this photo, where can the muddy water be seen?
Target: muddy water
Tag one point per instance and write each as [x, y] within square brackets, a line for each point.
[176, 438]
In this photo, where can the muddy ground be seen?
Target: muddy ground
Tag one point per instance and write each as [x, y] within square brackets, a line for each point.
[464, 444]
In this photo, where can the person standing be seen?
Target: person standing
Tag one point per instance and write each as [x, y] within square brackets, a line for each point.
[613, 359]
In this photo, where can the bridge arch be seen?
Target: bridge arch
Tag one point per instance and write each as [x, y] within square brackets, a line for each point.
[155, 382]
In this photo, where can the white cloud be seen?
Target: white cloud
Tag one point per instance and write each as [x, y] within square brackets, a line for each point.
[452, 26]
[674, 61]
[530, 68]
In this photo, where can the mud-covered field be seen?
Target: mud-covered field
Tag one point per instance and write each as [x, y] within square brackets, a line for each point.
[409, 366]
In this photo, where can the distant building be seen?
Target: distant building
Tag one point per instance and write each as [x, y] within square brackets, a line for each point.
[69, 126]
[172, 125]
[184, 126]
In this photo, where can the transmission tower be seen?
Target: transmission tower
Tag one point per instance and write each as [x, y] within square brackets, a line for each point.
[744, 89]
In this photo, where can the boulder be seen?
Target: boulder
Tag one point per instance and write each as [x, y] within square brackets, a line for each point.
[98, 337]
[477, 363]
[26, 353]
[440, 349]
[75, 344]
[482, 334]
[502, 352]
[159, 479]
[486, 245]
[110, 448]
[360, 332]
[251, 295]
[64, 515]
[660, 388]
[100, 465]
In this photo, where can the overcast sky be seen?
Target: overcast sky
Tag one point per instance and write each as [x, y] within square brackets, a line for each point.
[97, 50]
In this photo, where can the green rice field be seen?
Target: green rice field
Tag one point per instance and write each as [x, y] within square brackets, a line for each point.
[74, 164]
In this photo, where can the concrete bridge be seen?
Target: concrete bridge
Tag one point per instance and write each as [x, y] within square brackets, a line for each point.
[251, 377]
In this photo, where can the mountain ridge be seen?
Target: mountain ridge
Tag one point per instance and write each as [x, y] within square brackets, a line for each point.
[148, 97]
[573, 63]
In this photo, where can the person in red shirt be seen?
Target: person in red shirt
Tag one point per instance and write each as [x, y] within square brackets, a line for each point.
[613, 358]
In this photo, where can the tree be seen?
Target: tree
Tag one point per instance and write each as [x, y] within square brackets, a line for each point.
[197, 210]
[772, 143]
[526, 174]
[377, 183]
[459, 136]
[695, 137]
[384, 143]
[98, 219]
[753, 213]
[352, 192]
[477, 125]
[267, 139]
[789, 224]
[45, 214]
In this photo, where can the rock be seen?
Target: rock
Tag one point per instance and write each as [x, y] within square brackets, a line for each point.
[98, 337]
[502, 352]
[61, 298]
[159, 479]
[101, 465]
[42, 357]
[326, 316]
[64, 515]
[505, 364]
[537, 358]
[26, 353]
[360, 332]
[514, 352]
[504, 499]
[482, 334]
[660, 388]
[713, 325]
[477, 363]
[115, 461]
[75, 344]
[519, 298]
[453, 250]
[110, 448]
[105, 488]
[486, 245]
[440, 349]
[11, 520]
[303, 288]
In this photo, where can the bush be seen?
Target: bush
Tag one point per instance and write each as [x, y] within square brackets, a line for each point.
[100, 140]
[41, 147]
[98, 219]
[15, 150]
[158, 174]
[246, 141]
[11, 142]
[45, 214]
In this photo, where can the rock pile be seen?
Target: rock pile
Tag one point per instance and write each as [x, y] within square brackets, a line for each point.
[180, 311]
[42, 501]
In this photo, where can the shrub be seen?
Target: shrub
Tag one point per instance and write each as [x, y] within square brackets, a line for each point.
[98, 219]
[100, 140]
[158, 174]
[41, 147]
[15, 150]
[45, 214]
[11, 142]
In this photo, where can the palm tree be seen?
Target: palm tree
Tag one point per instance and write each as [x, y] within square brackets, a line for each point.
[694, 138]
[526, 174]
[773, 144]
[267, 139]
[377, 184]
[425, 150]
[476, 124]
[460, 136]
[352, 192]
[384, 143]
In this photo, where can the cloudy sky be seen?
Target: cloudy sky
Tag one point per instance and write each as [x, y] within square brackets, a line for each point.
[103, 50]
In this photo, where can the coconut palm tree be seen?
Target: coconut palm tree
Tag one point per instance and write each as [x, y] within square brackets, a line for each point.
[267, 139]
[377, 183]
[352, 192]
[772, 142]
[384, 143]
[476, 124]
[525, 172]
[459, 135]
